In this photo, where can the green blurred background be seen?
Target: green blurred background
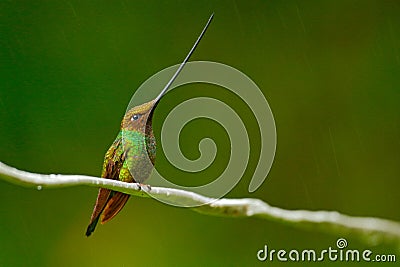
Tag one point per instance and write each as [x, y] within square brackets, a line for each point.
[329, 69]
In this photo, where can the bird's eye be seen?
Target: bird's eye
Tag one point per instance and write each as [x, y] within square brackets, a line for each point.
[135, 117]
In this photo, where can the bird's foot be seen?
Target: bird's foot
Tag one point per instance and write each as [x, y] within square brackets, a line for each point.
[141, 186]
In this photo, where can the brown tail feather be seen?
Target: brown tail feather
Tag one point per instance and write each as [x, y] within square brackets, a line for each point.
[114, 205]
[101, 201]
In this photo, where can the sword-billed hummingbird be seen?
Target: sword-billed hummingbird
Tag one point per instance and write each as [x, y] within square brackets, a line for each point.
[131, 156]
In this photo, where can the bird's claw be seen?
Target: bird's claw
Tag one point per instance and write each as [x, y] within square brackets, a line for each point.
[148, 187]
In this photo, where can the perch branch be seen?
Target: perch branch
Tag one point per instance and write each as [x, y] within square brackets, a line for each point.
[367, 229]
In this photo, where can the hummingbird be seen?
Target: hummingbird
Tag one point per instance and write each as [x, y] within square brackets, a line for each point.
[131, 157]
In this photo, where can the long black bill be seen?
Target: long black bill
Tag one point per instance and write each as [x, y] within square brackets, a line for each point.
[185, 60]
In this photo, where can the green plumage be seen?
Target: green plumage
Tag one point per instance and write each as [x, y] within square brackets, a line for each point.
[140, 155]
